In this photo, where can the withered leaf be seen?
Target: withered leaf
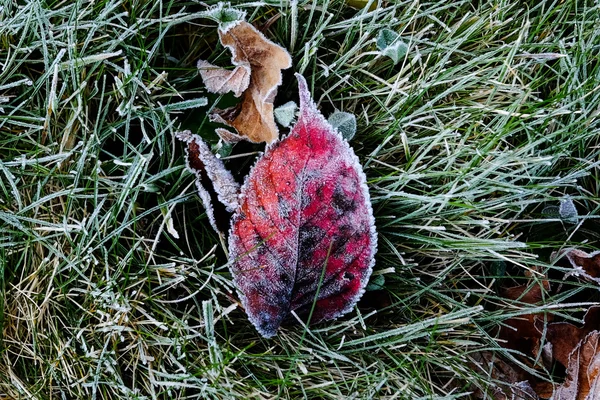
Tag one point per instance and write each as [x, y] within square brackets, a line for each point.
[585, 264]
[511, 382]
[523, 334]
[303, 239]
[257, 75]
[216, 186]
[221, 80]
[583, 371]
[565, 336]
[520, 333]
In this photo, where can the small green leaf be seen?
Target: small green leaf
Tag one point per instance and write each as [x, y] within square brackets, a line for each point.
[390, 45]
[286, 114]
[567, 210]
[498, 268]
[222, 149]
[344, 122]
[376, 283]
[225, 15]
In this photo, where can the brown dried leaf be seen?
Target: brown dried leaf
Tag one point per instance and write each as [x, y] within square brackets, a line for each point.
[221, 80]
[520, 333]
[585, 265]
[263, 61]
[512, 381]
[583, 380]
[227, 136]
[565, 336]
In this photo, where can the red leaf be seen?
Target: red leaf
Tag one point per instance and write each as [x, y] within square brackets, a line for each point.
[304, 233]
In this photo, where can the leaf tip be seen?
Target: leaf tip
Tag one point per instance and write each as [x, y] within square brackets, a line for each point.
[304, 93]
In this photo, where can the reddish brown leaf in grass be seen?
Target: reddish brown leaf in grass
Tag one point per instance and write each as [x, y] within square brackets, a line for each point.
[216, 186]
[565, 336]
[585, 264]
[583, 380]
[304, 233]
[511, 382]
[520, 333]
[256, 77]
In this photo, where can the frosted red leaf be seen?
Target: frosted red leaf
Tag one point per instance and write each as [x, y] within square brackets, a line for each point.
[304, 233]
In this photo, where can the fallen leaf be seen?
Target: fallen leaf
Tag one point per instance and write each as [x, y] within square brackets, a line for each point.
[565, 336]
[216, 186]
[257, 74]
[344, 122]
[523, 334]
[228, 136]
[520, 333]
[220, 80]
[583, 371]
[511, 382]
[585, 264]
[303, 239]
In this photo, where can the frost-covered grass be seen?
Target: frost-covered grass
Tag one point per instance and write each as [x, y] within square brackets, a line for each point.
[113, 284]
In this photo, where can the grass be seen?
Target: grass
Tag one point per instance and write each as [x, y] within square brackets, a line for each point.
[113, 284]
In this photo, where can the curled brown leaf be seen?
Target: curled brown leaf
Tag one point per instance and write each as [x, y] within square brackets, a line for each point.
[257, 74]
[565, 336]
[583, 380]
[216, 186]
[221, 80]
[585, 264]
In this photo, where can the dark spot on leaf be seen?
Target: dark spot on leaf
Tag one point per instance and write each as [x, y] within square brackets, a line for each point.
[285, 279]
[341, 202]
[284, 207]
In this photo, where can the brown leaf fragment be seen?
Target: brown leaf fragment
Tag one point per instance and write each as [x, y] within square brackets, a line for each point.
[228, 137]
[583, 381]
[263, 61]
[221, 80]
[565, 336]
[511, 382]
[520, 333]
[216, 186]
[586, 265]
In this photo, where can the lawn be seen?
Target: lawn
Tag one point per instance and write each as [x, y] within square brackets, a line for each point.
[480, 144]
